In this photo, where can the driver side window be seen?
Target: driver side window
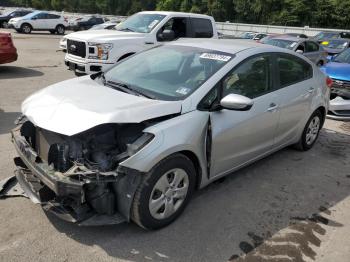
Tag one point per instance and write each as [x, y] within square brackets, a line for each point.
[178, 25]
[252, 78]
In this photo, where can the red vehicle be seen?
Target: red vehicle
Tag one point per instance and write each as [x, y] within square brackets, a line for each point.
[8, 52]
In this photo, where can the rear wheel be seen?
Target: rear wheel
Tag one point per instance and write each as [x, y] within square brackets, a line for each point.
[4, 24]
[311, 132]
[26, 28]
[164, 192]
[60, 29]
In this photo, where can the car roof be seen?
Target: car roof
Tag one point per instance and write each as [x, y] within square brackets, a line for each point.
[231, 46]
[175, 13]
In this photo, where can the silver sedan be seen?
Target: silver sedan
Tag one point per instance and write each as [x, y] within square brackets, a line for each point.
[135, 142]
[307, 47]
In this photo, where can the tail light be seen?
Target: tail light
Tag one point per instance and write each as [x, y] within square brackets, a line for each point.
[329, 82]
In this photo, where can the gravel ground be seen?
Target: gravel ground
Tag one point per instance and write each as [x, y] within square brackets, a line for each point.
[291, 206]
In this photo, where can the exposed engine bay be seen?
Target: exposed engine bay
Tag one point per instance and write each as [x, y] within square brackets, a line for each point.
[100, 148]
[78, 177]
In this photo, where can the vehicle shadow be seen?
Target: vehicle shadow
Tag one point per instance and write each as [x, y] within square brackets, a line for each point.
[236, 216]
[11, 72]
[7, 120]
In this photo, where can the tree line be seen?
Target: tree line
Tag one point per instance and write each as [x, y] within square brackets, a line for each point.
[313, 13]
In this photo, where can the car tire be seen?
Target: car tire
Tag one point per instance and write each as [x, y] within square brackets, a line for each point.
[26, 28]
[60, 29]
[164, 192]
[4, 24]
[310, 132]
[319, 63]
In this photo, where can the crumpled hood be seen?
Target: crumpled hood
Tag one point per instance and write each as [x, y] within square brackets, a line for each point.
[336, 70]
[76, 105]
[103, 35]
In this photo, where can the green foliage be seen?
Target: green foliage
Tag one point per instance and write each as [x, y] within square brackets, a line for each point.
[315, 13]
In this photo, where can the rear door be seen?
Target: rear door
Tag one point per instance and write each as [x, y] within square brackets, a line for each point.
[296, 86]
[239, 137]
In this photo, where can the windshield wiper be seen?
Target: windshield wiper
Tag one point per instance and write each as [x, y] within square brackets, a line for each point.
[125, 88]
[126, 29]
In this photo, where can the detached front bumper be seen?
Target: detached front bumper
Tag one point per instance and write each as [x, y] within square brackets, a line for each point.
[97, 200]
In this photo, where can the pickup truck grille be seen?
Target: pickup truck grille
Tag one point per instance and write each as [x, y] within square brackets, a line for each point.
[76, 48]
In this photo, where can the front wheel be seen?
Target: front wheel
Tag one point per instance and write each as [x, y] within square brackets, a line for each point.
[60, 29]
[164, 192]
[311, 132]
[26, 28]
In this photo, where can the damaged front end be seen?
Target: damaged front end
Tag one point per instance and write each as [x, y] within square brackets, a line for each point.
[78, 177]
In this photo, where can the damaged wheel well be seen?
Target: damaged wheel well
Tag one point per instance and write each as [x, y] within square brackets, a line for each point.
[192, 156]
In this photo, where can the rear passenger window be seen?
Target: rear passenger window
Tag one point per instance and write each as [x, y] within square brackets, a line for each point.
[311, 47]
[202, 28]
[52, 16]
[293, 70]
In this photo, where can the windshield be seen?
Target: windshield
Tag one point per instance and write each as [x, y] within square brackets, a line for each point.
[141, 23]
[323, 35]
[281, 43]
[168, 72]
[343, 57]
[335, 44]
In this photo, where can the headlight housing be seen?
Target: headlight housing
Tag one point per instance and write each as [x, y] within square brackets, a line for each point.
[99, 50]
[140, 143]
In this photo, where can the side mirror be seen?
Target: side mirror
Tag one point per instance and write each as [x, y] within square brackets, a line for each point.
[34, 18]
[299, 52]
[167, 35]
[236, 102]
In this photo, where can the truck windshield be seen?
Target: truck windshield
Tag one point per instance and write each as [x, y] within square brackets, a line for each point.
[168, 72]
[141, 23]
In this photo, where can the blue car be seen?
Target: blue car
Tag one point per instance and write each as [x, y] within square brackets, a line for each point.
[338, 69]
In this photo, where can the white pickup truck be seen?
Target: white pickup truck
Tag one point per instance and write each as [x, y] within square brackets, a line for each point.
[98, 50]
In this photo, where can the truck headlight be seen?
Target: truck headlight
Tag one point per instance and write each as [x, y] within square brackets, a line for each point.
[99, 51]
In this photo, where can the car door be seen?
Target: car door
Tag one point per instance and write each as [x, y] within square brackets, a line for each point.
[239, 137]
[312, 51]
[296, 86]
[40, 21]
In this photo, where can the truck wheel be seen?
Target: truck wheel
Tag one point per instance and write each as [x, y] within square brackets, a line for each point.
[164, 192]
[26, 28]
[311, 132]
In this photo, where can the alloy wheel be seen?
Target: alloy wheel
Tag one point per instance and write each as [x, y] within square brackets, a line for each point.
[312, 130]
[168, 193]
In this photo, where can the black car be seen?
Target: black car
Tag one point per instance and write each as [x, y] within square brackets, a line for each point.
[320, 37]
[85, 24]
[4, 18]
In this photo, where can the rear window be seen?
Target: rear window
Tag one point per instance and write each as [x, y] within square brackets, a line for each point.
[311, 46]
[292, 70]
[202, 28]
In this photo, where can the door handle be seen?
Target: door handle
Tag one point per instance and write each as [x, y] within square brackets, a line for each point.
[272, 107]
[311, 89]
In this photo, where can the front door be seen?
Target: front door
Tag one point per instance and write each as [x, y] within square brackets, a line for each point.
[239, 137]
